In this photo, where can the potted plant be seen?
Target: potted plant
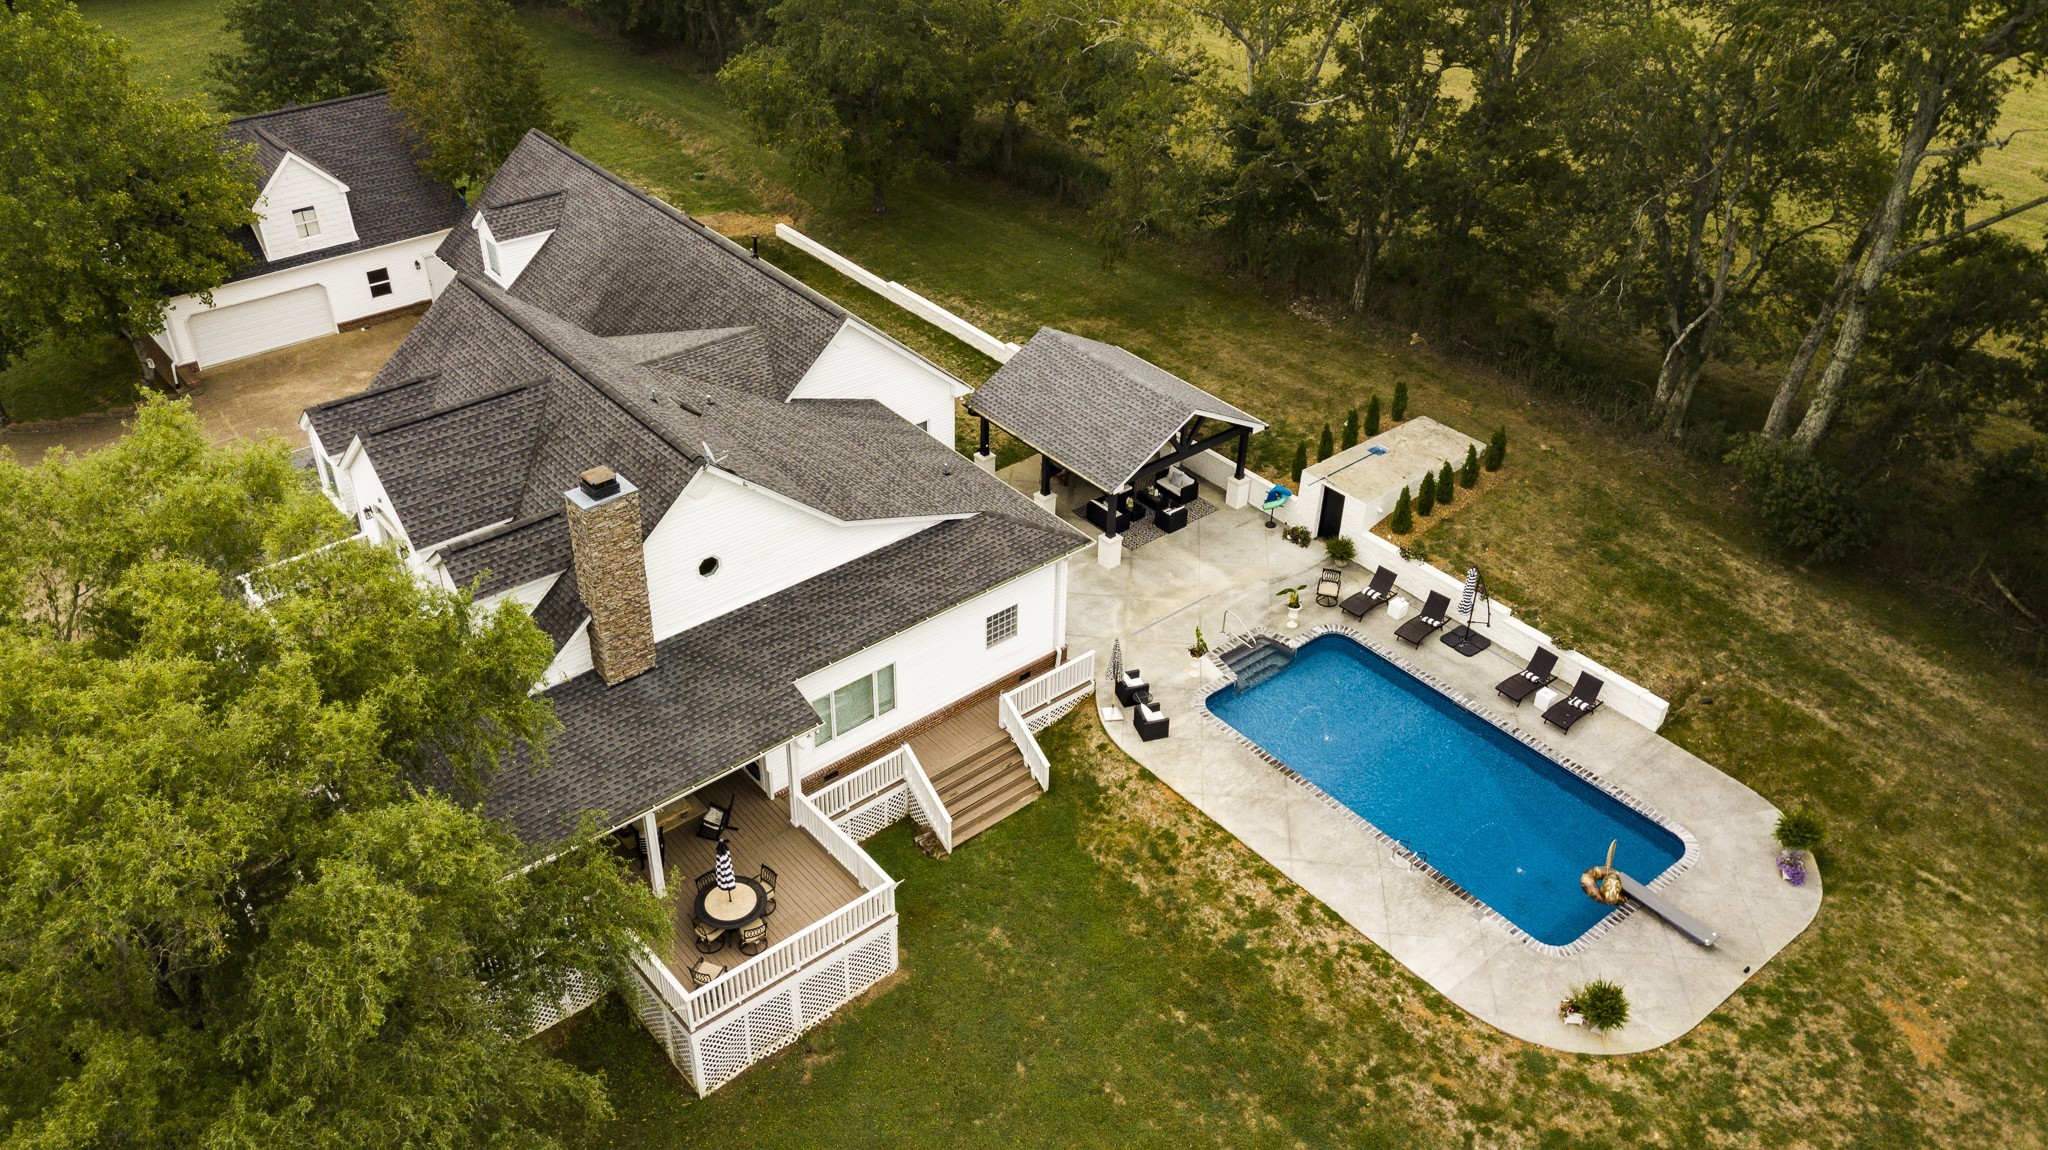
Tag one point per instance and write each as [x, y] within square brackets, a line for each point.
[1799, 832]
[1598, 1005]
[1341, 550]
[1195, 653]
[1293, 596]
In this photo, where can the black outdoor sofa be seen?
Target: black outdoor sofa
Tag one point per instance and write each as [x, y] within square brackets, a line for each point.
[1583, 701]
[1150, 721]
[1436, 611]
[1540, 673]
[1380, 590]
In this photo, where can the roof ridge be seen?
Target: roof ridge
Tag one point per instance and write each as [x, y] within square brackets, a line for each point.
[370, 392]
[523, 199]
[501, 530]
[315, 104]
[451, 409]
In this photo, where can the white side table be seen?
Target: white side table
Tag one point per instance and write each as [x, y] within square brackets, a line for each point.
[1547, 698]
[1398, 608]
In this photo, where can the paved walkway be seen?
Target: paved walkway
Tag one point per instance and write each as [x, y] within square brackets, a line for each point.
[1230, 561]
[248, 398]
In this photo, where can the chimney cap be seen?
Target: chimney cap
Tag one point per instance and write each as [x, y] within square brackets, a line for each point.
[599, 482]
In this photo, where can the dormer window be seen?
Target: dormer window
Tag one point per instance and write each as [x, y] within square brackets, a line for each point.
[307, 221]
[491, 256]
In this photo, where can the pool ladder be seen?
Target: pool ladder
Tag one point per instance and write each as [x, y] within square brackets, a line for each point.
[1416, 860]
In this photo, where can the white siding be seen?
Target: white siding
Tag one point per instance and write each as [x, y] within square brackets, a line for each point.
[346, 278]
[297, 184]
[374, 515]
[763, 545]
[572, 660]
[513, 255]
[859, 364]
[940, 661]
[527, 594]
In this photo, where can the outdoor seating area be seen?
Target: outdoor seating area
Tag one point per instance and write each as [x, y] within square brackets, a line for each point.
[1436, 611]
[1379, 591]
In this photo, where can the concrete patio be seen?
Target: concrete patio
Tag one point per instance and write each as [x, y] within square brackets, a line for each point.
[1229, 561]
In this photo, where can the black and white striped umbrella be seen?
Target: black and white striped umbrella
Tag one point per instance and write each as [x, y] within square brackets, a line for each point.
[1471, 594]
[726, 879]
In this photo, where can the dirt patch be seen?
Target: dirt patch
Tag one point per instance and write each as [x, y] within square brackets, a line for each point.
[741, 226]
[1923, 1032]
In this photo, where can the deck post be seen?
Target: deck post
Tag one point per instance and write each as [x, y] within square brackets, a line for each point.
[1045, 498]
[1239, 492]
[650, 837]
[983, 458]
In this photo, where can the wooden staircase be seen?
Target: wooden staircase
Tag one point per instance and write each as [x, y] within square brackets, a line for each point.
[986, 786]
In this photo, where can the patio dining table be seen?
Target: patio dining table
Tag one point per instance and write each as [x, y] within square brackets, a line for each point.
[733, 908]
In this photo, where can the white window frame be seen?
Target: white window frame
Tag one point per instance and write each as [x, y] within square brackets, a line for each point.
[306, 221]
[1000, 627]
[375, 283]
[491, 256]
[881, 685]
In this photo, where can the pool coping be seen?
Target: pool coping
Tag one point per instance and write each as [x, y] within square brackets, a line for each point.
[1421, 863]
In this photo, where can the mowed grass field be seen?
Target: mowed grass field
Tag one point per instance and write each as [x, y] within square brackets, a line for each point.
[1096, 972]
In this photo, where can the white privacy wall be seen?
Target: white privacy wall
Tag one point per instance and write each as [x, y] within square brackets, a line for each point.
[859, 364]
[940, 661]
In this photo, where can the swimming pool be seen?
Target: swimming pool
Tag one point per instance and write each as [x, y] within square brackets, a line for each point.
[1506, 823]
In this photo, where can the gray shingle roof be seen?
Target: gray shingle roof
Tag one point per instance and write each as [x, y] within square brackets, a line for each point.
[1095, 408]
[363, 142]
[523, 217]
[504, 557]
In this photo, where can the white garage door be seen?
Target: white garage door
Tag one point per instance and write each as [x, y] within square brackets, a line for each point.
[259, 325]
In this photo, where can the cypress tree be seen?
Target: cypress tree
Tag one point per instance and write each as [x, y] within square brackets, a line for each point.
[1326, 446]
[1497, 449]
[1351, 429]
[1446, 485]
[1468, 475]
[1404, 515]
[1425, 496]
[1300, 462]
[1372, 416]
[1400, 400]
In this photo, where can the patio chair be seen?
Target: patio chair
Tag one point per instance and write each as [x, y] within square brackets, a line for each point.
[705, 880]
[716, 821]
[767, 881]
[1330, 587]
[1436, 611]
[710, 939]
[705, 971]
[1170, 519]
[754, 937]
[1379, 591]
[1132, 689]
[1583, 701]
[1151, 722]
[1524, 683]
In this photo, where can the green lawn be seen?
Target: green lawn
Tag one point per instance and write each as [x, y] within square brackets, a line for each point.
[55, 379]
[1090, 972]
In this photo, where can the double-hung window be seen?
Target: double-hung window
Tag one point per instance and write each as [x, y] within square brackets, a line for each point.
[306, 221]
[380, 282]
[854, 704]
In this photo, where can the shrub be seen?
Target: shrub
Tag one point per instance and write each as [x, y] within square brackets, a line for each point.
[1350, 429]
[1468, 475]
[1400, 400]
[1805, 507]
[1497, 449]
[1447, 484]
[1300, 462]
[1603, 1004]
[1201, 645]
[1326, 446]
[1403, 520]
[1372, 416]
[1800, 830]
[1341, 550]
[1425, 495]
[1298, 535]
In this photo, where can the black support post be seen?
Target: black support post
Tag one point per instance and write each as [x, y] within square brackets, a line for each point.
[1044, 474]
[984, 434]
[1244, 439]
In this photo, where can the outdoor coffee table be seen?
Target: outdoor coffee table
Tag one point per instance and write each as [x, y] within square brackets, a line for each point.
[733, 908]
[1546, 697]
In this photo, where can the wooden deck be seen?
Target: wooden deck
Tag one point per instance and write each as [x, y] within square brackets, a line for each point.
[810, 882]
[956, 739]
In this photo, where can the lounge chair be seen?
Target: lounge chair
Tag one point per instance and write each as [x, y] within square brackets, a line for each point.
[1583, 701]
[1539, 674]
[716, 821]
[1379, 591]
[754, 937]
[1330, 587]
[1436, 611]
[767, 881]
[1132, 689]
[1151, 722]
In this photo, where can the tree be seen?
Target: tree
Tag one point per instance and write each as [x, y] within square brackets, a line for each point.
[235, 909]
[468, 81]
[1497, 449]
[1300, 462]
[1350, 439]
[1403, 519]
[1447, 484]
[1468, 475]
[111, 196]
[1326, 446]
[1372, 416]
[1425, 495]
[1400, 410]
[719, 27]
[852, 90]
[300, 51]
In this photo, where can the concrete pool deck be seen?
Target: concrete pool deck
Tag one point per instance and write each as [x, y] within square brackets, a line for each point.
[1230, 561]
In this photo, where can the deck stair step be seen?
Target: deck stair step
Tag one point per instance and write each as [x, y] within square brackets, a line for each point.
[988, 784]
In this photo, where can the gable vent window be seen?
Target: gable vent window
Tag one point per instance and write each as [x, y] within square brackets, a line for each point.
[709, 567]
[307, 221]
[380, 282]
[854, 704]
[1002, 625]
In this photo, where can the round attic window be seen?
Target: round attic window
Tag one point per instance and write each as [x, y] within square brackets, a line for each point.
[709, 567]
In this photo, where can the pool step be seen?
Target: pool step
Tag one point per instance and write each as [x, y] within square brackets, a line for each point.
[1259, 662]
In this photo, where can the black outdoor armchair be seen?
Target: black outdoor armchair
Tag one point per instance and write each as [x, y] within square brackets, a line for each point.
[1330, 587]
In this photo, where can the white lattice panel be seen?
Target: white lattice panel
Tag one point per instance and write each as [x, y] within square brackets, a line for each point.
[877, 814]
[822, 993]
[771, 1024]
[871, 961]
[723, 1053]
[582, 992]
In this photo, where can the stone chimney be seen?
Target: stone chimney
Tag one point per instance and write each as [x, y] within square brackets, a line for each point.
[611, 573]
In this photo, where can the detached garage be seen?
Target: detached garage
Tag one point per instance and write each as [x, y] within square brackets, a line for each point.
[244, 329]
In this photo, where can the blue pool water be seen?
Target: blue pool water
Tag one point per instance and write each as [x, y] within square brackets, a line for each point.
[1494, 816]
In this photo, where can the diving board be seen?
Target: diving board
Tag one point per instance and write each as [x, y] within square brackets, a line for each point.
[1656, 904]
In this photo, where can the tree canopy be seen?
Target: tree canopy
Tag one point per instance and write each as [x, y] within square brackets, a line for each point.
[301, 51]
[468, 81]
[112, 196]
[234, 910]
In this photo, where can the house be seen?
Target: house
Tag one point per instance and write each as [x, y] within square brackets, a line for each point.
[778, 597]
[346, 230]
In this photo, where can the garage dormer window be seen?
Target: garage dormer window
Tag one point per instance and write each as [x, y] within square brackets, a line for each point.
[307, 221]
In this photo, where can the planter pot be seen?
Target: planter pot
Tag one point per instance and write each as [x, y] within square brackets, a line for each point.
[1293, 618]
[1195, 667]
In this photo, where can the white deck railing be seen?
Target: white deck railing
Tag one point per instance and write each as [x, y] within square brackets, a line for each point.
[924, 798]
[845, 794]
[805, 815]
[1055, 684]
[1027, 743]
